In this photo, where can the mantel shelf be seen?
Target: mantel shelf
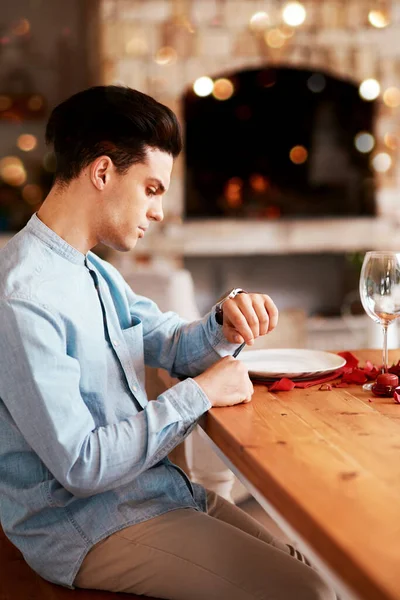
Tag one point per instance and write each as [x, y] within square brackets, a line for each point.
[214, 237]
[243, 238]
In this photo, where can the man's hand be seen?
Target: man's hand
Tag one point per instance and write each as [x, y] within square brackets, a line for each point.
[226, 382]
[247, 316]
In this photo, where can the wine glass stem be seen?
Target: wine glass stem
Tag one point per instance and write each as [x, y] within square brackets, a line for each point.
[385, 349]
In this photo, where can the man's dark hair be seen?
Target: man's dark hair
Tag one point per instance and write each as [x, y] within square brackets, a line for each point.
[109, 120]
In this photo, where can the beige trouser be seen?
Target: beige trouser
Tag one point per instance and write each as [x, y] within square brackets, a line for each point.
[189, 555]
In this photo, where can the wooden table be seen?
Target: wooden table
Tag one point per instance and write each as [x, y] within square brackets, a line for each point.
[326, 466]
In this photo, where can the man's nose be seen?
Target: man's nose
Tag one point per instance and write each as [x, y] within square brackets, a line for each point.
[155, 212]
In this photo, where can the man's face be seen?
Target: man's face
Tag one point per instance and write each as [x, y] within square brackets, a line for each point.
[134, 200]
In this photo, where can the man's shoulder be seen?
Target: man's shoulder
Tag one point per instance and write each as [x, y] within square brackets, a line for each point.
[21, 260]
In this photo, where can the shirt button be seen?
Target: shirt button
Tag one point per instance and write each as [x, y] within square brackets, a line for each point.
[115, 343]
[134, 388]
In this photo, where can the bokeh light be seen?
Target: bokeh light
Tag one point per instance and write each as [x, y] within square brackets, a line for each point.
[382, 162]
[364, 141]
[26, 142]
[391, 97]
[316, 83]
[203, 86]
[32, 193]
[378, 18]
[233, 192]
[5, 102]
[369, 89]
[223, 89]
[166, 55]
[137, 45]
[294, 14]
[258, 182]
[12, 170]
[22, 27]
[49, 162]
[259, 21]
[274, 38]
[298, 155]
[391, 141]
[287, 31]
[35, 102]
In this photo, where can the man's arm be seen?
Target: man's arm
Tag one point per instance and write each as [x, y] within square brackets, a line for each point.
[173, 344]
[39, 384]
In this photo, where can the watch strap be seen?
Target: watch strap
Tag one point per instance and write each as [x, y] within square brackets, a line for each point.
[219, 313]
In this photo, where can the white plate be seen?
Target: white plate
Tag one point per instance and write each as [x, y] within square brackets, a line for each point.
[277, 363]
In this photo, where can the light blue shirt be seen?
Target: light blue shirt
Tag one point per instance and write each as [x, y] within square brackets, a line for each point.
[83, 453]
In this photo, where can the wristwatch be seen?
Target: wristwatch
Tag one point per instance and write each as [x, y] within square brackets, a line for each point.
[219, 313]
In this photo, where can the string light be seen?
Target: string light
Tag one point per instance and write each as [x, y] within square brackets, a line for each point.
[32, 193]
[298, 155]
[223, 89]
[364, 142]
[391, 141]
[259, 21]
[35, 102]
[274, 38]
[233, 192]
[258, 182]
[5, 103]
[203, 86]
[137, 46]
[22, 27]
[382, 162]
[12, 170]
[391, 97]
[287, 31]
[369, 89]
[166, 56]
[378, 18]
[294, 14]
[26, 142]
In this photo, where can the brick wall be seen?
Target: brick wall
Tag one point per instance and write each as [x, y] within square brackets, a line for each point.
[213, 37]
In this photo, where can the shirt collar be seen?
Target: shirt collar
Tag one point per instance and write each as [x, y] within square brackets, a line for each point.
[54, 241]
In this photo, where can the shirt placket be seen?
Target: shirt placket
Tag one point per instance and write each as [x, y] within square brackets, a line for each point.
[118, 345]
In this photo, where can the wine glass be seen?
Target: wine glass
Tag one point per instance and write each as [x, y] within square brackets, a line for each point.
[380, 293]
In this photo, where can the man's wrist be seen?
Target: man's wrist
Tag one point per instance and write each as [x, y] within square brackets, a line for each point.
[219, 312]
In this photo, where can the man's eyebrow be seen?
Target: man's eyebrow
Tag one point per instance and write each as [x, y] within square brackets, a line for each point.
[159, 183]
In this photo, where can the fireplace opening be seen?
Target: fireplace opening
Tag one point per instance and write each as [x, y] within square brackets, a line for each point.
[278, 142]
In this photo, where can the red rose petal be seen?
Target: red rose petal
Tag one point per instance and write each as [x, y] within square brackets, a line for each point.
[355, 376]
[351, 360]
[368, 366]
[325, 387]
[395, 369]
[372, 375]
[283, 385]
[396, 395]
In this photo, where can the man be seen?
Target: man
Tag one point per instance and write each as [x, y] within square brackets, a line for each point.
[87, 492]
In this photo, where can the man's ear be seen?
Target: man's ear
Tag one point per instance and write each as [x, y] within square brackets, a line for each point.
[100, 171]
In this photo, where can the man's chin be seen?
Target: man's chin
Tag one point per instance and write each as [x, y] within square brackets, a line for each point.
[123, 245]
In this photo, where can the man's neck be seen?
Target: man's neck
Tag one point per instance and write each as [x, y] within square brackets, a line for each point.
[69, 216]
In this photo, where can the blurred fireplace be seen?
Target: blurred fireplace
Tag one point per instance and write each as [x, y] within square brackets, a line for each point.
[287, 143]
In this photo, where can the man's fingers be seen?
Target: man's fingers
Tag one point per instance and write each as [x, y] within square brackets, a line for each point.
[245, 304]
[262, 314]
[237, 320]
[272, 312]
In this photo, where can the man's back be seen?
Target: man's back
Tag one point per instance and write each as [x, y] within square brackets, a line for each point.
[73, 369]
